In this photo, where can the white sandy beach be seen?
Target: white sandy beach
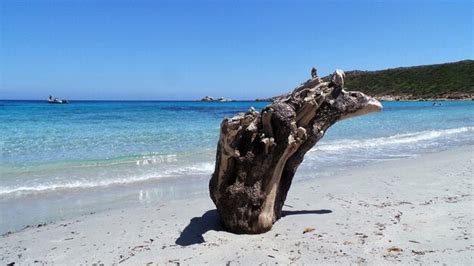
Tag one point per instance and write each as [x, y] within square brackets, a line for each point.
[398, 212]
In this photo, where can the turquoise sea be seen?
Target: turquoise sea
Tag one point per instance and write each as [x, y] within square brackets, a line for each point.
[63, 161]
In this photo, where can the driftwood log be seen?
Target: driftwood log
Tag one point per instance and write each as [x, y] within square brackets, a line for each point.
[258, 153]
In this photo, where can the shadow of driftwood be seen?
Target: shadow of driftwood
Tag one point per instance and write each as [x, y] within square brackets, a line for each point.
[323, 211]
[197, 227]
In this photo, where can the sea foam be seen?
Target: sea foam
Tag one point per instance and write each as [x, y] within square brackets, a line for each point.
[205, 168]
[398, 139]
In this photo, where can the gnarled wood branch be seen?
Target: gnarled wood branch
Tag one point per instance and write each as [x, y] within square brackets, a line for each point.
[258, 153]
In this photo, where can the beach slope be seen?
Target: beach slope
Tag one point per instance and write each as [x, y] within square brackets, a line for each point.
[414, 210]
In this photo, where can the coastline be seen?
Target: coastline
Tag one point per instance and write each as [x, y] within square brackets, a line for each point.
[391, 98]
[394, 98]
[414, 210]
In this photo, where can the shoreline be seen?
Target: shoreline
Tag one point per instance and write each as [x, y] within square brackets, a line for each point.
[53, 201]
[404, 99]
[260, 100]
[397, 98]
[413, 210]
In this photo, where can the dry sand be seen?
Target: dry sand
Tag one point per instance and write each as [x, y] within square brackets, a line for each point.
[398, 212]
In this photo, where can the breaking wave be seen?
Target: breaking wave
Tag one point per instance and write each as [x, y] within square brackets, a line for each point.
[337, 150]
[407, 138]
[195, 169]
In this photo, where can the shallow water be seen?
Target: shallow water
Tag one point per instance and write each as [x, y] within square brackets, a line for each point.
[60, 161]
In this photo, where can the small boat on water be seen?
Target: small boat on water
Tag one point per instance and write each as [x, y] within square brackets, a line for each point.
[56, 100]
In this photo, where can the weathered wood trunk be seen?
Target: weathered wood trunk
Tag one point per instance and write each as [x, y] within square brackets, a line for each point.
[258, 153]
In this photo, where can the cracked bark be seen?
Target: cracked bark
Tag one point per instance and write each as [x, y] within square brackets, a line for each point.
[258, 153]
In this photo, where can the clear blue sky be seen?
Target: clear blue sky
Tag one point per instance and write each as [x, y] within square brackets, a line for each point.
[238, 49]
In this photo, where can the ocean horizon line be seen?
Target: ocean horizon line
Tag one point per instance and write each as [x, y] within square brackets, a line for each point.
[115, 100]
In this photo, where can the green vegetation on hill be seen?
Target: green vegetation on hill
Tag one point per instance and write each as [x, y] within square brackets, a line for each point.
[450, 80]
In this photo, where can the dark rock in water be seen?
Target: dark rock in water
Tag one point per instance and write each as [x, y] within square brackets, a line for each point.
[212, 99]
[207, 99]
[258, 153]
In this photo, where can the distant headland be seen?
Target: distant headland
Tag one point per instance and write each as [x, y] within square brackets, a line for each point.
[449, 81]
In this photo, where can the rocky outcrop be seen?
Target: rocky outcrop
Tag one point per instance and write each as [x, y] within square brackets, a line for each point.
[409, 97]
[258, 153]
[207, 99]
[212, 99]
